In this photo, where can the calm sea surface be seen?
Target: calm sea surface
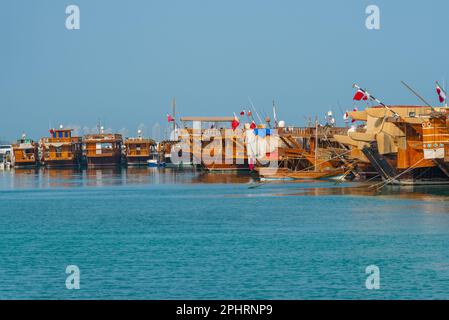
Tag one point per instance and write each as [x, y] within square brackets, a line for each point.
[148, 234]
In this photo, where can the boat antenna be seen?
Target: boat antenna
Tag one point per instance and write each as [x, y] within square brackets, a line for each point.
[416, 94]
[274, 115]
[254, 109]
[306, 119]
[98, 125]
[339, 107]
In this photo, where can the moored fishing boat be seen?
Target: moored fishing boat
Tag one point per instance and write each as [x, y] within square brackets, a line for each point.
[214, 144]
[102, 149]
[139, 150]
[410, 148]
[5, 156]
[25, 153]
[225, 153]
[297, 153]
[405, 144]
[61, 149]
[167, 151]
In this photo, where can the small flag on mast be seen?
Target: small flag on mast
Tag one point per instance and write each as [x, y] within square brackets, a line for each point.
[169, 118]
[235, 123]
[441, 94]
[360, 95]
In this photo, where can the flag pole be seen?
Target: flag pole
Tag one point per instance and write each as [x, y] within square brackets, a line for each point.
[274, 115]
[444, 85]
[316, 142]
[174, 115]
[377, 100]
[251, 114]
[254, 109]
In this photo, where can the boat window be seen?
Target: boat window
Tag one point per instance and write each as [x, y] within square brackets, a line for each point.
[66, 134]
[60, 134]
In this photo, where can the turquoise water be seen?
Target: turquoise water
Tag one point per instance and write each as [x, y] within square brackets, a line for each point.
[145, 234]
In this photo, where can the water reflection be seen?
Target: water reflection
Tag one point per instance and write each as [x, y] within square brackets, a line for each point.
[115, 176]
[423, 193]
[110, 176]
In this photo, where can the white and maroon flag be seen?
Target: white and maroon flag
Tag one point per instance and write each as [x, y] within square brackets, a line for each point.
[360, 95]
[235, 123]
[441, 94]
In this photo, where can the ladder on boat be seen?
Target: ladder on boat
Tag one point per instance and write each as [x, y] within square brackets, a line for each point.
[379, 162]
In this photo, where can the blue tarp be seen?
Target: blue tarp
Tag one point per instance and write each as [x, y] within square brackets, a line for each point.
[262, 132]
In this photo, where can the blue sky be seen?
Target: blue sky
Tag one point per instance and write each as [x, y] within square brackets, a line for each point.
[131, 57]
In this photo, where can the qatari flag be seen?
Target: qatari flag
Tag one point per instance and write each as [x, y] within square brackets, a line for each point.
[441, 94]
[360, 95]
[235, 123]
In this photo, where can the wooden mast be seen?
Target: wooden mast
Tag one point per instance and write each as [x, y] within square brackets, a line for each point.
[416, 94]
[316, 142]
[174, 115]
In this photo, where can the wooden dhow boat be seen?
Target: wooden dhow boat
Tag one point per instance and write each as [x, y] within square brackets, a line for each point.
[214, 145]
[25, 153]
[61, 149]
[103, 149]
[406, 144]
[139, 150]
[305, 153]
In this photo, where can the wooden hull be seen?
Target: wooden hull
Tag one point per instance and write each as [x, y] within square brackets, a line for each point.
[25, 164]
[137, 161]
[62, 163]
[106, 161]
[25, 154]
[103, 150]
[178, 165]
[279, 173]
[226, 167]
